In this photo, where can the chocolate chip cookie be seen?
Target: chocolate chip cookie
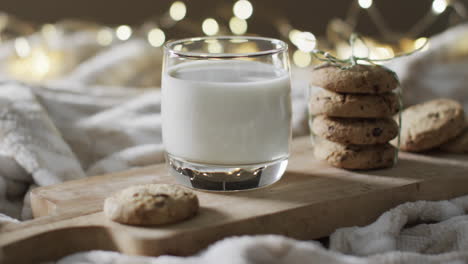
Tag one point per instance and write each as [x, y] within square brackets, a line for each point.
[359, 79]
[430, 124]
[355, 130]
[355, 157]
[353, 105]
[151, 204]
[458, 144]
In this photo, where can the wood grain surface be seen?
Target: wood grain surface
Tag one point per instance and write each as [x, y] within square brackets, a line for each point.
[311, 201]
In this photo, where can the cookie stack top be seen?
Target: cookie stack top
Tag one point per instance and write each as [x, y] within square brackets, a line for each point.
[359, 79]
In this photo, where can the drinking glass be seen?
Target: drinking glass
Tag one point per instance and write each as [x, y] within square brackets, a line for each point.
[226, 111]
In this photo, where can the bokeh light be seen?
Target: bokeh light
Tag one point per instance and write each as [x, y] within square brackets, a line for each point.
[22, 47]
[123, 32]
[238, 26]
[210, 27]
[302, 59]
[104, 37]
[294, 36]
[365, 3]
[439, 6]
[215, 47]
[156, 37]
[306, 41]
[420, 42]
[177, 11]
[243, 9]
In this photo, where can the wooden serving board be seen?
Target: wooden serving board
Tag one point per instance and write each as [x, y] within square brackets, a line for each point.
[311, 201]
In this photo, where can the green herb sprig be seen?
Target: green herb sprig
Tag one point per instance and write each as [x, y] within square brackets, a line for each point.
[353, 60]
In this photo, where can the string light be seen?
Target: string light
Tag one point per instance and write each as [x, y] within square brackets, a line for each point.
[156, 37]
[420, 42]
[238, 26]
[382, 53]
[210, 27]
[22, 47]
[294, 36]
[243, 9]
[365, 3]
[177, 11]
[49, 31]
[104, 37]
[439, 6]
[215, 47]
[360, 49]
[123, 32]
[302, 59]
[306, 41]
[40, 63]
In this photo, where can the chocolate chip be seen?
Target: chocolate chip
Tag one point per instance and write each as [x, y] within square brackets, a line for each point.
[433, 115]
[362, 107]
[377, 131]
[376, 87]
[343, 158]
[331, 128]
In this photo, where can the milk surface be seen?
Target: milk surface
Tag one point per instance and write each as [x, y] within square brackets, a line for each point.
[226, 112]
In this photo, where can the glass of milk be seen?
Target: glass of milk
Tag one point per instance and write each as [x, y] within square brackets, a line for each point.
[226, 111]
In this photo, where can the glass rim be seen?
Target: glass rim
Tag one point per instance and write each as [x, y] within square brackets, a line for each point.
[169, 47]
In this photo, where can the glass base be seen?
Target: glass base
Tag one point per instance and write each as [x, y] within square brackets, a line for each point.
[226, 178]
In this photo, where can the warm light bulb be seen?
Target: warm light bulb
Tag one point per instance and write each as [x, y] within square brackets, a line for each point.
[238, 26]
[178, 10]
[439, 6]
[302, 59]
[294, 36]
[22, 47]
[420, 42]
[49, 31]
[210, 27]
[365, 3]
[215, 47]
[104, 37]
[306, 41]
[156, 37]
[123, 32]
[243, 9]
[40, 63]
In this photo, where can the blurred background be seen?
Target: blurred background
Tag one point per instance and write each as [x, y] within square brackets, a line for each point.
[48, 40]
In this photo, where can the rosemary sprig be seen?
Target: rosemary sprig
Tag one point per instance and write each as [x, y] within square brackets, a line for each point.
[353, 60]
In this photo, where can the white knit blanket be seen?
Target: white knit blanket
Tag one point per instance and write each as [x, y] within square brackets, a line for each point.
[438, 233]
[73, 128]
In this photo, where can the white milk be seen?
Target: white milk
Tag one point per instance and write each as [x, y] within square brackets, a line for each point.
[226, 112]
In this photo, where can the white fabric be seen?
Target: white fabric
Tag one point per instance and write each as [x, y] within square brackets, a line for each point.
[440, 71]
[438, 234]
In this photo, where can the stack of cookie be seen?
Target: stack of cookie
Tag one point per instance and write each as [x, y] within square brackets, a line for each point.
[352, 116]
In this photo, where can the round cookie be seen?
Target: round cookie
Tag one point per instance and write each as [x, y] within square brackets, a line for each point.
[353, 105]
[151, 204]
[430, 124]
[355, 130]
[360, 79]
[355, 157]
[458, 144]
